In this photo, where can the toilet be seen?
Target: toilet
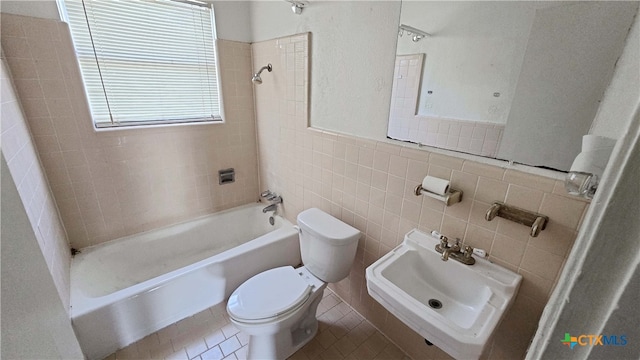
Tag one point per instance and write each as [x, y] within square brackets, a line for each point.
[277, 308]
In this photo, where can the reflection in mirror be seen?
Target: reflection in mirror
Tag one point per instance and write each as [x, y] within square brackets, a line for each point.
[519, 81]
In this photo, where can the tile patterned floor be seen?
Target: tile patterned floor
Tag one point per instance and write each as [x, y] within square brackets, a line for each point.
[342, 334]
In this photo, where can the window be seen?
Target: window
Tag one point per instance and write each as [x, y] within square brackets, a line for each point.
[146, 61]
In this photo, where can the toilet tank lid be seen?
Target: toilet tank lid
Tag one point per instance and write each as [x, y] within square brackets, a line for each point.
[324, 225]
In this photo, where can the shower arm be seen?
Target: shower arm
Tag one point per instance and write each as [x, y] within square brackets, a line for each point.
[256, 79]
[268, 67]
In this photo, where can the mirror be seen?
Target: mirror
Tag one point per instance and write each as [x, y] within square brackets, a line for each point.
[518, 81]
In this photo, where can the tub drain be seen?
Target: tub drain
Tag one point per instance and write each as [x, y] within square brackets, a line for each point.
[435, 303]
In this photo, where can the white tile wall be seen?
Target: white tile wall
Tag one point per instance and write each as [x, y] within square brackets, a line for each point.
[21, 156]
[475, 137]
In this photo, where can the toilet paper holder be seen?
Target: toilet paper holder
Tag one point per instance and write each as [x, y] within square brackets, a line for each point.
[451, 197]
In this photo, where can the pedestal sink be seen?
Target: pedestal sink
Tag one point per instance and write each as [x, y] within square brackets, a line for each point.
[456, 307]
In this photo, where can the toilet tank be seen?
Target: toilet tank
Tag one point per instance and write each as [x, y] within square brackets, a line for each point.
[327, 245]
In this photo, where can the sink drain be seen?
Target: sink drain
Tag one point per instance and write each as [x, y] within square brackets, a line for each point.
[435, 303]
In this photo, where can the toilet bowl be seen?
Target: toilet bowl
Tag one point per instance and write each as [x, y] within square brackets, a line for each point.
[277, 308]
[279, 314]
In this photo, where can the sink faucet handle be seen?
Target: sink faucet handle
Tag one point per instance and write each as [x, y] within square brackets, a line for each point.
[468, 251]
[444, 242]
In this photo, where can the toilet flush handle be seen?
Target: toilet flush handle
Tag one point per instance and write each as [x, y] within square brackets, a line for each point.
[297, 228]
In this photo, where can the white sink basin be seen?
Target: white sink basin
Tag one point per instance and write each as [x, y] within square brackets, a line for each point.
[412, 281]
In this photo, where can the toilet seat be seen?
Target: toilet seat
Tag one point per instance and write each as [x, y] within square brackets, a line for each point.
[268, 295]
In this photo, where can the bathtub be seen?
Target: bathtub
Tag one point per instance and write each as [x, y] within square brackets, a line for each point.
[128, 288]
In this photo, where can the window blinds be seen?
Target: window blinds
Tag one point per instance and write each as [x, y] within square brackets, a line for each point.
[146, 61]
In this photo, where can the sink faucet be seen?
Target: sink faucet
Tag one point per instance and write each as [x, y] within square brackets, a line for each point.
[448, 251]
[455, 251]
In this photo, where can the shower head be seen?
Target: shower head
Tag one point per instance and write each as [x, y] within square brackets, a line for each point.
[256, 79]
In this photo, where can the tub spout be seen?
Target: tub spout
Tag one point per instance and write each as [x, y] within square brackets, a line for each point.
[272, 207]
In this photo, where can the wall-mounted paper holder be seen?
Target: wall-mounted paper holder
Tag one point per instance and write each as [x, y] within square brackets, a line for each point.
[226, 176]
[538, 222]
[451, 197]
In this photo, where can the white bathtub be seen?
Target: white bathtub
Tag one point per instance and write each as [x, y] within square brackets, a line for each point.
[128, 288]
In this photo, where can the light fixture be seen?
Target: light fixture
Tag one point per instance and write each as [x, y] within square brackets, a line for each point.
[297, 6]
[416, 34]
[587, 168]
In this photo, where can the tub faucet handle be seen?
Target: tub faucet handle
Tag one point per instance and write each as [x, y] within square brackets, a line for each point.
[276, 199]
[266, 194]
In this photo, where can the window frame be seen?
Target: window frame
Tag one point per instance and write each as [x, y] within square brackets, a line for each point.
[130, 125]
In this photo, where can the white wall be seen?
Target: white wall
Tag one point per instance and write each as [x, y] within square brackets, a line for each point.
[35, 324]
[617, 106]
[476, 49]
[47, 9]
[593, 294]
[353, 49]
[568, 65]
[232, 17]
[605, 301]
[232, 20]
[351, 70]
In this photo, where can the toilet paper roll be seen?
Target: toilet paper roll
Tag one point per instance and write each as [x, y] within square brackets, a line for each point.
[595, 142]
[435, 185]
